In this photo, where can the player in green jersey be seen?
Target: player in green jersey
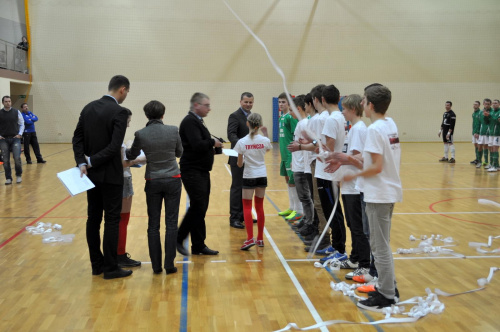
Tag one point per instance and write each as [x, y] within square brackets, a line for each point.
[475, 127]
[494, 131]
[483, 133]
[287, 126]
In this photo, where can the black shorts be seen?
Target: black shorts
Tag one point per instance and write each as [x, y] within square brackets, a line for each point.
[255, 183]
[445, 140]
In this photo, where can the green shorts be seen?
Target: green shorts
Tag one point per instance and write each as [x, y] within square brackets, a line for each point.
[286, 171]
[283, 169]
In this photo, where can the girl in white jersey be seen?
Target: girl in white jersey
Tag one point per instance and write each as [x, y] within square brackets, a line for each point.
[251, 150]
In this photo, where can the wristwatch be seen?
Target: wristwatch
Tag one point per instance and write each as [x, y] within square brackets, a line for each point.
[314, 142]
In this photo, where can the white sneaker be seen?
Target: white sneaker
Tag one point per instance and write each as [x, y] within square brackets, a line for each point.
[487, 166]
[478, 165]
[8, 181]
[357, 272]
[19, 179]
[492, 169]
[347, 264]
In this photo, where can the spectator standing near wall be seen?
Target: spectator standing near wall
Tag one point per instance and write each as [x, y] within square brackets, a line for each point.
[29, 135]
[11, 130]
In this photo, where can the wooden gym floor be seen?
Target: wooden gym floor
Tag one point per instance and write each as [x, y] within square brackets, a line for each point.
[49, 287]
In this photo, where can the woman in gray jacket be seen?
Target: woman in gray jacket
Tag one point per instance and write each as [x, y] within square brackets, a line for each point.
[161, 145]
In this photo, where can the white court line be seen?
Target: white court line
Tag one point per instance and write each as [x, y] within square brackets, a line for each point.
[290, 273]
[183, 262]
[404, 258]
[446, 257]
[416, 189]
[439, 212]
[218, 261]
[450, 188]
[266, 189]
[253, 260]
[295, 282]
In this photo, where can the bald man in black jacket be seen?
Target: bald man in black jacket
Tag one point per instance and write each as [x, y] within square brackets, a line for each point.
[195, 164]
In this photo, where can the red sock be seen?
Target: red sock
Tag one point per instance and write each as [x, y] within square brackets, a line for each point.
[122, 233]
[261, 219]
[247, 214]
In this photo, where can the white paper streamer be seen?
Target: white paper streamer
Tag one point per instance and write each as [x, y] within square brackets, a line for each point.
[426, 246]
[273, 63]
[309, 132]
[488, 202]
[478, 245]
[57, 237]
[50, 233]
[423, 306]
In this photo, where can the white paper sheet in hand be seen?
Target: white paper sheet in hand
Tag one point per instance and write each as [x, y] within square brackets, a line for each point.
[141, 155]
[230, 152]
[73, 182]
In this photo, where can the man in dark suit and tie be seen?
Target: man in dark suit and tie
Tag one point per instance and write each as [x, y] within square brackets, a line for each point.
[195, 164]
[236, 129]
[97, 145]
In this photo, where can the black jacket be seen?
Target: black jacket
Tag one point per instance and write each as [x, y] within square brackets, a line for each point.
[197, 144]
[99, 134]
[236, 129]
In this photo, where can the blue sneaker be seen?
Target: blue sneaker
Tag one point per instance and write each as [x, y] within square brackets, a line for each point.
[340, 257]
[326, 252]
[337, 255]
[324, 259]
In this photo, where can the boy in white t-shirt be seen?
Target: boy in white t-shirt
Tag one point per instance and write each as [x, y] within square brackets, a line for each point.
[351, 196]
[333, 134]
[382, 189]
[299, 167]
[253, 148]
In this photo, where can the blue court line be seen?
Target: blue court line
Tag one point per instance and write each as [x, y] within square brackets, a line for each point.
[185, 286]
[370, 318]
[184, 298]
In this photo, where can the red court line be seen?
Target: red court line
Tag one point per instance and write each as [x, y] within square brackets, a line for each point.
[34, 221]
[85, 217]
[433, 154]
[431, 207]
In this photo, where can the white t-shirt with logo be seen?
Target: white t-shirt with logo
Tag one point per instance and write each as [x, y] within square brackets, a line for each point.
[355, 142]
[253, 151]
[335, 128]
[299, 157]
[382, 138]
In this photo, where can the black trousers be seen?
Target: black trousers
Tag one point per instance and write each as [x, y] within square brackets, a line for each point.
[108, 198]
[328, 198]
[166, 190]
[235, 202]
[30, 138]
[360, 246]
[197, 185]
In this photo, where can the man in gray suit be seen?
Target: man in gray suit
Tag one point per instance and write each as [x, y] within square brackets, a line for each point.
[161, 145]
[236, 129]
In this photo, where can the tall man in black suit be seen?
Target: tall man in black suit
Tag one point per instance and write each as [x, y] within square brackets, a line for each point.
[236, 129]
[195, 164]
[97, 145]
